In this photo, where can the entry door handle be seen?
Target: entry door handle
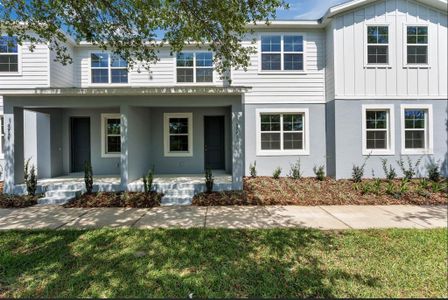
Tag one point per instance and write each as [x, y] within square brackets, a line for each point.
[205, 147]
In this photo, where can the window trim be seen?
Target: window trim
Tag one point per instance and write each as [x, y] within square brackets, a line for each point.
[282, 35]
[390, 130]
[19, 61]
[405, 48]
[109, 71]
[166, 134]
[366, 46]
[2, 119]
[306, 132]
[104, 118]
[429, 133]
[194, 68]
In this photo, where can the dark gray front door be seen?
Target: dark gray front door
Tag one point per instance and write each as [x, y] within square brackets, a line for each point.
[80, 143]
[214, 143]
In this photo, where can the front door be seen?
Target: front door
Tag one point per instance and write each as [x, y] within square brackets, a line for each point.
[214, 143]
[80, 143]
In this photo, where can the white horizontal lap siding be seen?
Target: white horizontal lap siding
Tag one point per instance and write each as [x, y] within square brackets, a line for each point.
[354, 78]
[60, 75]
[308, 86]
[33, 67]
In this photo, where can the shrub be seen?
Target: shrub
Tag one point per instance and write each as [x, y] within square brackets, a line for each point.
[277, 172]
[436, 187]
[295, 172]
[88, 177]
[410, 170]
[376, 187]
[404, 186]
[29, 175]
[366, 188]
[388, 172]
[209, 180]
[423, 183]
[148, 181]
[390, 189]
[433, 171]
[358, 171]
[253, 169]
[319, 172]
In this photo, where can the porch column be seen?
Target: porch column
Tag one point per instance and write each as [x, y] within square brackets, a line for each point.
[14, 156]
[124, 162]
[237, 146]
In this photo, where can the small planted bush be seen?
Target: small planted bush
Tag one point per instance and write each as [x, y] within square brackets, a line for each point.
[295, 172]
[358, 171]
[209, 180]
[409, 170]
[389, 171]
[88, 177]
[433, 171]
[148, 181]
[319, 171]
[253, 169]
[277, 172]
[30, 178]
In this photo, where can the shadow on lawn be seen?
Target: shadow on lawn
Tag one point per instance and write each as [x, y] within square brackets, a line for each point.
[171, 263]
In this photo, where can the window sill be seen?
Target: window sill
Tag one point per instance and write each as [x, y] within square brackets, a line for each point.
[180, 154]
[379, 66]
[373, 152]
[109, 155]
[108, 84]
[282, 73]
[417, 152]
[283, 153]
[416, 66]
[11, 74]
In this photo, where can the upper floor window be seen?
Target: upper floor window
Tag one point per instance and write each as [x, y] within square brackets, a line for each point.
[194, 67]
[377, 45]
[9, 54]
[417, 44]
[108, 68]
[282, 53]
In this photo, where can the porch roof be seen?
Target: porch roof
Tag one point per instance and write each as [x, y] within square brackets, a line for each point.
[122, 91]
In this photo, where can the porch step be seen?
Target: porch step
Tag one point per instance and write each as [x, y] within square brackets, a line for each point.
[176, 200]
[55, 200]
[63, 193]
[57, 196]
[179, 192]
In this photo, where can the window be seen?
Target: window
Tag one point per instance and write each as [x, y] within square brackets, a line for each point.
[377, 45]
[106, 68]
[378, 129]
[2, 136]
[9, 55]
[282, 53]
[111, 131]
[417, 44]
[416, 129]
[194, 67]
[282, 132]
[178, 134]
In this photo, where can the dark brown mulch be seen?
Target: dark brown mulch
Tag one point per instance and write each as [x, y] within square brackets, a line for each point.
[15, 201]
[309, 192]
[108, 199]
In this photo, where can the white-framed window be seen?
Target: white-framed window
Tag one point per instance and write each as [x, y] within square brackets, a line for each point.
[108, 68]
[282, 131]
[378, 129]
[416, 129]
[377, 45]
[110, 135]
[282, 53]
[178, 134]
[194, 67]
[417, 45]
[9, 55]
[2, 137]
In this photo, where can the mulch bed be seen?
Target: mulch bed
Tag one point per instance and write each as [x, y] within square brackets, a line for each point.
[15, 201]
[309, 192]
[108, 199]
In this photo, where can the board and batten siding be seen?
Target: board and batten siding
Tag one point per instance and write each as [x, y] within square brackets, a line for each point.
[353, 77]
[33, 69]
[160, 74]
[308, 86]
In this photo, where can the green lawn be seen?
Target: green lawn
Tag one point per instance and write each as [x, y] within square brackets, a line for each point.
[223, 263]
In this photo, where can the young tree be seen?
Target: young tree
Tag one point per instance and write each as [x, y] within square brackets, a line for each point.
[128, 27]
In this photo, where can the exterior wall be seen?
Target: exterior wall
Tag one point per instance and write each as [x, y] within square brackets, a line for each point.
[267, 164]
[60, 75]
[307, 86]
[348, 116]
[329, 63]
[354, 78]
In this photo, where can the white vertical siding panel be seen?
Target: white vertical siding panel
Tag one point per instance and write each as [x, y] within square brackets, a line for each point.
[442, 55]
[359, 54]
[349, 54]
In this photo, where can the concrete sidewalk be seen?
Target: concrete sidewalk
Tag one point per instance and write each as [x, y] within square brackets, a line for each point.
[320, 217]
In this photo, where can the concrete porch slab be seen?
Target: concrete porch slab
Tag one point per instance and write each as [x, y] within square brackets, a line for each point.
[40, 217]
[107, 217]
[173, 217]
[365, 217]
[426, 216]
[305, 216]
[239, 217]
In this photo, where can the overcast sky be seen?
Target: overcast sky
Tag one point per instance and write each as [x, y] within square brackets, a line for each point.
[306, 9]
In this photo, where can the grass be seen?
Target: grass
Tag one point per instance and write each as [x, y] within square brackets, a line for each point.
[223, 263]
